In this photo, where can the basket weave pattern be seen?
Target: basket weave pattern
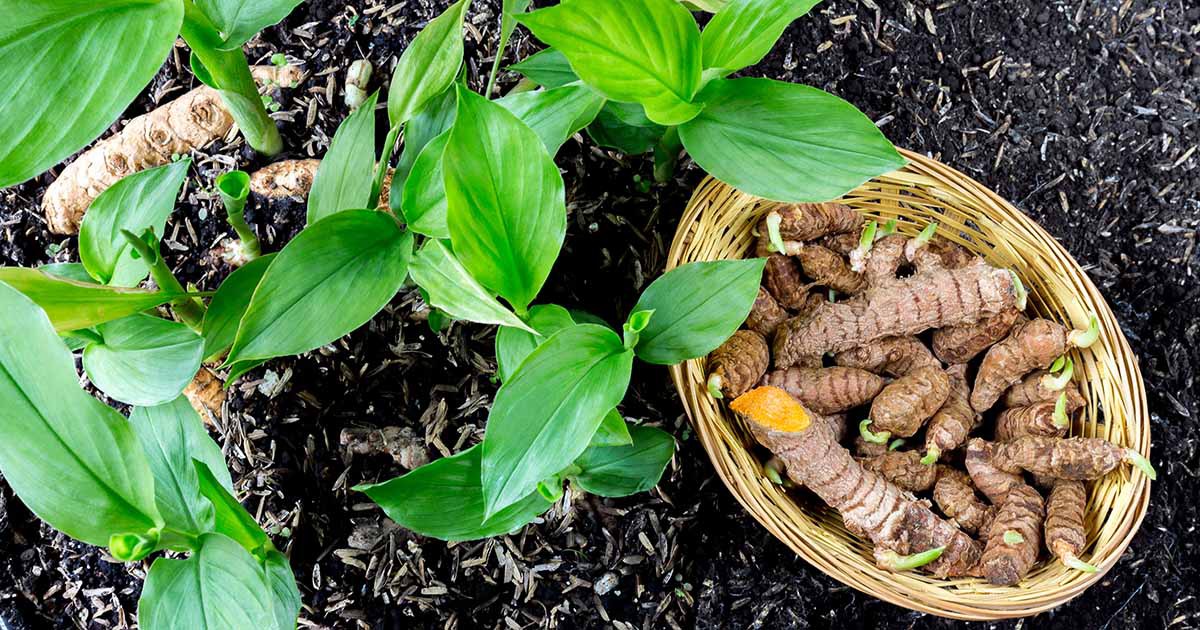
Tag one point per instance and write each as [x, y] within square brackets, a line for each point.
[718, 224]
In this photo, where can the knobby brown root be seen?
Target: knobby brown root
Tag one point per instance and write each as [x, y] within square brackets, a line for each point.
[961, 343]
[904, 405]
[938, 253]
[843, 243]
[1039, 386]
[1078, 458]
[206, 393]
[870, 505]
[894, 356]
[991, 481]
[827, 390]
[883, 262]
[828, 269]
[809, 221]
[189, 122]
[766, 315]
[1041, 419]
[401, 443]
[294, 178]
[865, 448]
[906, 307]
[956, 498]
[1065, 535]
[949, 427]
[903, 468]
[1031, 345]
[785, 283]
[737, 365]
[1014, 537]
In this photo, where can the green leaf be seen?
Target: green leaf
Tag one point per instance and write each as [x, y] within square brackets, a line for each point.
[618, 471]
[72, 460]
[435, 118]
[230, 518]
[545, 414]
[343, 180]
[548, 68]
[229, 304]
[68, 68]
[613, 431]
[424, 196]
[220, 587]
[240, 20]
[646, 52]
[555, 114]
[508, 23]
[69, 271]
[137, 203]
[444, 499]
[143, 360]
[744, 31]
[514, 344]
[506, 210]
[429, 64]
[451, 288]
[171, 435]
[785, 142]
[74, 305]
[329, 280]
[696, 307]
[624, 127]
[286, 601]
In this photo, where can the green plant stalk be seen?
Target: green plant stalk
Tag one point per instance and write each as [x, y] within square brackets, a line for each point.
[896, 562]
[385, 160]
[230, 70]
[870, 436]
[190, 311]
[250, 244]
[666, 155]
[235, 208]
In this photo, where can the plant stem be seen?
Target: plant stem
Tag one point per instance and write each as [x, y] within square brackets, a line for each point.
[231, 72]
[666, 155]
[234, 187]
[188, 310]
[385, 159]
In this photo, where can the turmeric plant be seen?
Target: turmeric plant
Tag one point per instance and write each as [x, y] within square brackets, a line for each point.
[111, 50]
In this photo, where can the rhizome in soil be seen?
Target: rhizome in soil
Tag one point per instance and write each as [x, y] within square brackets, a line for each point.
[1082, 113]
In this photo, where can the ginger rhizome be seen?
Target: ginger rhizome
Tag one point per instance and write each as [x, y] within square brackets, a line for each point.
[1014, 537]
[737, 365]
[903, 468]
[786, 284]
[827, 390]
[902, 407]
[766, 315]
[956, 498]
[961, 343]
[1043, 385]
[1078, 458]
[827, 268]
[809, 221]
[900, 526]
[893, 356]
[1031, 345]
[931, 299]
[955, 419]
[1065, 535]
[993, 482]
[1047, 419]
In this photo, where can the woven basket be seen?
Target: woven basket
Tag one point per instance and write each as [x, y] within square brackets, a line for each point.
[717, 225]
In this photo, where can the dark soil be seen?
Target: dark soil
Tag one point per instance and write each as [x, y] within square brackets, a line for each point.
[1081, 113]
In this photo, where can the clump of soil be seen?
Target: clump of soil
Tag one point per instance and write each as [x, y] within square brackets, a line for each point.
[1080, 113]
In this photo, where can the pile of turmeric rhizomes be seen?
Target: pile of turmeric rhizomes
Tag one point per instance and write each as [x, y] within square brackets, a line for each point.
[923, 339]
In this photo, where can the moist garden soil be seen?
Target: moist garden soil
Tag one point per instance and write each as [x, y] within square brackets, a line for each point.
[1082, 113]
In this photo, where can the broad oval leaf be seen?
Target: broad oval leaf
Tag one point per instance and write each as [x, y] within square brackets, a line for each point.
[230, 517]
[545, 414]
[171, 435]
[136, 203]
[555, 114]
[624, 127]
[220, 587]
[282, 581]
[451, 288]
[431, 121]
[143, 360]
[548, 68]
[784, 141]
[69, 271]
[613, 431]
[229, 304]
[347, 172]
[444, 499]
[329, 280]
[619, 471]
[73, 305]
[424, 196]
[72, 460]
[744, 31]
[696, 308]
[646, 52]
[240, 20]
[514, 344]
[505, 205]
[428, 65]
[68, 69]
